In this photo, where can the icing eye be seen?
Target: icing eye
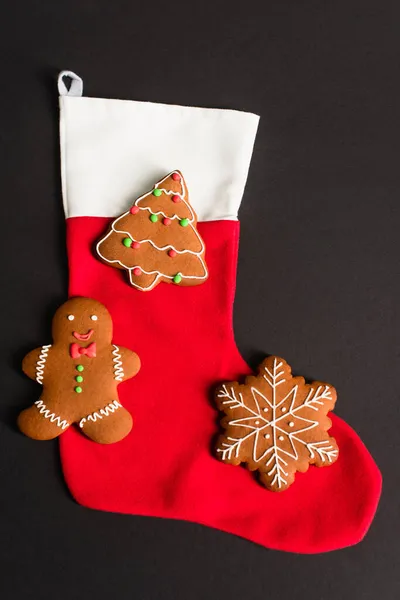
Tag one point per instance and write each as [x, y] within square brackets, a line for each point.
[70, 317]
[94, 317]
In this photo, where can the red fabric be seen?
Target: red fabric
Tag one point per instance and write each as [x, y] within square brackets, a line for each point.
[165, 467]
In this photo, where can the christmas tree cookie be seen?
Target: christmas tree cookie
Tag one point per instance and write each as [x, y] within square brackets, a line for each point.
[157, 239]
[276, 424]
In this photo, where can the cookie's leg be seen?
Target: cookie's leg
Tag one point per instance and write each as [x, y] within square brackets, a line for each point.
[39, 422]
[107, 425]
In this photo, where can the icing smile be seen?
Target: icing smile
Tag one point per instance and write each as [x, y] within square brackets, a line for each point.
[83, 337]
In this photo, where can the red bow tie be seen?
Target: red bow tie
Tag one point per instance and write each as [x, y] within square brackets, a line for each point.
[76, 351]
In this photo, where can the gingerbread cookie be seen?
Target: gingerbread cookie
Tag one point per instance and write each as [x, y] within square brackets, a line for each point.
[276, 424]
[157, 239]
[79, 373]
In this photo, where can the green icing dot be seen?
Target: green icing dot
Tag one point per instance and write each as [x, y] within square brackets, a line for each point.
[127, 242]
[79, 378]
[80, 368]
[177, 278]
[184, 222]
[157, 192]
[78, 389]
[153, 218]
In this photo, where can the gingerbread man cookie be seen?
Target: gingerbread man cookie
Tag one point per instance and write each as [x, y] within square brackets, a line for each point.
[79, 373]
[276, 424]
[157, 239]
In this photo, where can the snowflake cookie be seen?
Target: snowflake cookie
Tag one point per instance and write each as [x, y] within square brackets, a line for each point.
[276, 424]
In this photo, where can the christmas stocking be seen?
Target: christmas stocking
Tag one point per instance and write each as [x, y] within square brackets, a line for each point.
[112, 152]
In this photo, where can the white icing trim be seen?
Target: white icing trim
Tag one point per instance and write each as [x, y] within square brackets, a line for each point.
[113, 229]
[40, 364]
[181, 195]
[103, 412]
[49, 415]
[257, 423]
[118, 368]
[159, 274]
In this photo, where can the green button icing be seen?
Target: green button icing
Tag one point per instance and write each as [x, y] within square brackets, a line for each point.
[79, 378]
[127, 242]
[184, 222]
[153, 218]
[80, 368]
[177, 278]
[157, 192]
[78, 389]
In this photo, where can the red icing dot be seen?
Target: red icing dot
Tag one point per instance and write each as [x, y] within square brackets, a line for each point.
[135, 245]
[166, 221]
[137, 271]
[176, 198]
[176, 176]
[171, 253]
[134, 210]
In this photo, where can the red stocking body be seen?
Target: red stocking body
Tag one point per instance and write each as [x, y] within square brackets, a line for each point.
[166, 467]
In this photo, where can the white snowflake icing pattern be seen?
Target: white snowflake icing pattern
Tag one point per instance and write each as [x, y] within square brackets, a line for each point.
[274, 426]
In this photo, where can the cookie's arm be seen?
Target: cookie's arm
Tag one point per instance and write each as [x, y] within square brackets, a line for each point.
[126, 363]
[34, 363]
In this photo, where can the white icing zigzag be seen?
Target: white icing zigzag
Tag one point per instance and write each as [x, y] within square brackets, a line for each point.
[49, 415]
[118, 369]
[182, 195]
[103, 412]
[41, 363]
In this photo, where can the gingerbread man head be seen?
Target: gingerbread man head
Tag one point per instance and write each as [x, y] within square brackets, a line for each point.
[82, 321]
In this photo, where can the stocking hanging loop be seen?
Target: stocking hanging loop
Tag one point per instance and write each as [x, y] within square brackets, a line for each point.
[76, 87]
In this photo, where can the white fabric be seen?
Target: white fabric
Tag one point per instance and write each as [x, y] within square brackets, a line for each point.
[112, 151]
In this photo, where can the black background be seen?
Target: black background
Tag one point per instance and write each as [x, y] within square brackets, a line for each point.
[318, 275]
